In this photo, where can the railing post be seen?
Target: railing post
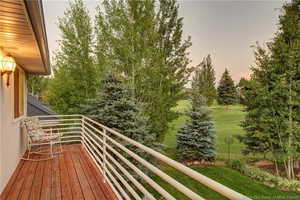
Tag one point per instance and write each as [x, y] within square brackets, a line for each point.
[104, 155]
[82, 131]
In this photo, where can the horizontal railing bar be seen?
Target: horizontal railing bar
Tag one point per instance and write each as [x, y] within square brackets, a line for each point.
[120, 188]
[68, 141]
[95, 135]
[70, 124]
[94, 145]
[124, 182]
[90, 138]
[152, 183]
[131, 178]
[114, 189]
[180, 187]
[95, 129]
[75, 136]
[145, 192]
[71, 133]
[90, 152]
[65, 128]
[227, 192]
[59, 120]
[51, 116]
[92, 131]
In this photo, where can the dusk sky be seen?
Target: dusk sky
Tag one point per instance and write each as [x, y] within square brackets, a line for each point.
[225, 29]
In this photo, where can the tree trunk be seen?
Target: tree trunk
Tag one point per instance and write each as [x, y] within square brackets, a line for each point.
[276, 167]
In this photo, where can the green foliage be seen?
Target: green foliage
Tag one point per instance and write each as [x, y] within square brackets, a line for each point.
[36, 84]
[114, 107]
[271, 180]
[75, 76]
[255, 140]
[196, 140]
[226, 176]
[227, 94]
[205, 80]
[226, 122]
[148, 49]
[242, 88]
[273, 100]
[236, 164]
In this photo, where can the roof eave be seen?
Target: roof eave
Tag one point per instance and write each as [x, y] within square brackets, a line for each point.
[34, 9]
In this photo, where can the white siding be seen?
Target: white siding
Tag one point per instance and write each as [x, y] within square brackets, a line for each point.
[11, 139]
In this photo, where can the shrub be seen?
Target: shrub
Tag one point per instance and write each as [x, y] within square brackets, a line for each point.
[236, 164]
[271, 180]
[263, 176]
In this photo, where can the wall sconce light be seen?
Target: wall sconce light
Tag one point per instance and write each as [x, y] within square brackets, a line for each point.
[7, 66]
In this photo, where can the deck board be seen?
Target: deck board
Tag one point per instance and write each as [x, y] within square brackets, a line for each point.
[5, 193]
[37, 181]
[55, 186]
[19, 183]
[109, 194]
[69, 176]
[75, 185]
[25, 193]
[64, 178]
[91, 177]
[47, 180]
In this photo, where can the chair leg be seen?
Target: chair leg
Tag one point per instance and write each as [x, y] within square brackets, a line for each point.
[29, 150]
[51, 149]
[60, 145]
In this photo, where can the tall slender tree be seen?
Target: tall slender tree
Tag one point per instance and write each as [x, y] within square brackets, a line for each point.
[205, 80]
[37, 85]
[75, 75]
[273, 111]
[148, 49]
[227, 94]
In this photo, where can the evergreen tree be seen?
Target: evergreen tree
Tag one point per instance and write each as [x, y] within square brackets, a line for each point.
[114, 107]
[227, 94]
[148, 49]
[196, 140]
[273, 111]
[242, 88]
[74, 74]
[205, 80]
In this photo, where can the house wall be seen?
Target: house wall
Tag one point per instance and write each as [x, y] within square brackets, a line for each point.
[11, 139]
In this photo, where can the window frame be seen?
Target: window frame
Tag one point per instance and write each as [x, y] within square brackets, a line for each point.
[21, 77]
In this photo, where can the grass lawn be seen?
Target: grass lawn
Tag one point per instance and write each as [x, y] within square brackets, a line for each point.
[227, 123]
[227, 177]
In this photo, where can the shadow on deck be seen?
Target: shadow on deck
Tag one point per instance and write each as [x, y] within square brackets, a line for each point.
[70, 175]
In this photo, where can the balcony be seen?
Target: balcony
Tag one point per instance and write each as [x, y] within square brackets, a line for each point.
[72, 175]
[94, 165]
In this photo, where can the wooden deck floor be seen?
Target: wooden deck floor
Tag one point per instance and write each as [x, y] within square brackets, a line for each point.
[71, 175]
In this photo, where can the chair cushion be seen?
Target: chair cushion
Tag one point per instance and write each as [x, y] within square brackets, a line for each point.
[36, 133]
[31, 123]
[45, 138]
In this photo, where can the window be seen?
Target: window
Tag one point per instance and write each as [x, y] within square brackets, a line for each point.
[19, 92]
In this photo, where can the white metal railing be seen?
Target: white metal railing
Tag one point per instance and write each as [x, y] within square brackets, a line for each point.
[104, 147]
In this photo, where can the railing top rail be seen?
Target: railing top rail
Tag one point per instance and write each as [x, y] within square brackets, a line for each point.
[57, 116]
[225, 191]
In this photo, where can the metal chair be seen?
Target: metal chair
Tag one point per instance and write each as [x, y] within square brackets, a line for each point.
[38, 136]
